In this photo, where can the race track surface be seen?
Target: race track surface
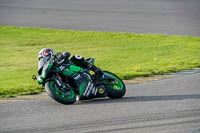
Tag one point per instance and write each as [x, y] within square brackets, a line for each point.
[180, 17]
[164, 106]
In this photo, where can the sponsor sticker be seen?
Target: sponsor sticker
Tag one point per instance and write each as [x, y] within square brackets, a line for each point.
[101, 91]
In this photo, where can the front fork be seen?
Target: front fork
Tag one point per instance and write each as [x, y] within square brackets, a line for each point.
[60, 83]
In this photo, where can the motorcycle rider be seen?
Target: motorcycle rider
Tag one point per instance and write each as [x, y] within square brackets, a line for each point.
[63, 58]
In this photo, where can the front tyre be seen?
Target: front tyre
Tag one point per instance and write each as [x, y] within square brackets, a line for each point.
[117, 90]
[54, 92]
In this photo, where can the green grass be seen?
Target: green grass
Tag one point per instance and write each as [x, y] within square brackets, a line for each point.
[126, 54]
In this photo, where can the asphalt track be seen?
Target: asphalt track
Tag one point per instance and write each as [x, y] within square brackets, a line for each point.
[164, 106]
[180, 17]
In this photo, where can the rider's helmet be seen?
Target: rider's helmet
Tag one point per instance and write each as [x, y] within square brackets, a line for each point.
[45, 52]
[44, 55]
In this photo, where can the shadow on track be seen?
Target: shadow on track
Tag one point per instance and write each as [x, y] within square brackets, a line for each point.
[141, 99]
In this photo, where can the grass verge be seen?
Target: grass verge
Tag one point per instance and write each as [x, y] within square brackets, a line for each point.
[126, 54]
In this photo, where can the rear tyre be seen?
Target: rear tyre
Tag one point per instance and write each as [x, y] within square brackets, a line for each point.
[115, 90]
[54, 92]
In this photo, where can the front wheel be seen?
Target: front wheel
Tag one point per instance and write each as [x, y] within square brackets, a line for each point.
[116, 90]
[55, 92]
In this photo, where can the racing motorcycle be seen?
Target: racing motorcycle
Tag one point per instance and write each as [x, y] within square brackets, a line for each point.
[66, 83]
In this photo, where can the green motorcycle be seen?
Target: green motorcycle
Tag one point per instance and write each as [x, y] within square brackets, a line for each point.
[66, 83]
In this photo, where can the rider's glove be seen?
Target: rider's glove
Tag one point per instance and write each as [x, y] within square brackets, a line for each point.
[66, 54]
[40, 79]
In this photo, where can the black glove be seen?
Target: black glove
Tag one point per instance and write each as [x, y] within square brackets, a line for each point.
[66, 54]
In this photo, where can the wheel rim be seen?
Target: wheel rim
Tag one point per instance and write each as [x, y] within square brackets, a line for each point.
[53, 86]
[119, 85]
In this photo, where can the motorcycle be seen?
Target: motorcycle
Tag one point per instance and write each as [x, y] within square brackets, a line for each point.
[67, 83]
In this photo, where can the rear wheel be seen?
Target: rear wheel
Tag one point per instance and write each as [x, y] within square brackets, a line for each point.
[58, 95]
[117, 90]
